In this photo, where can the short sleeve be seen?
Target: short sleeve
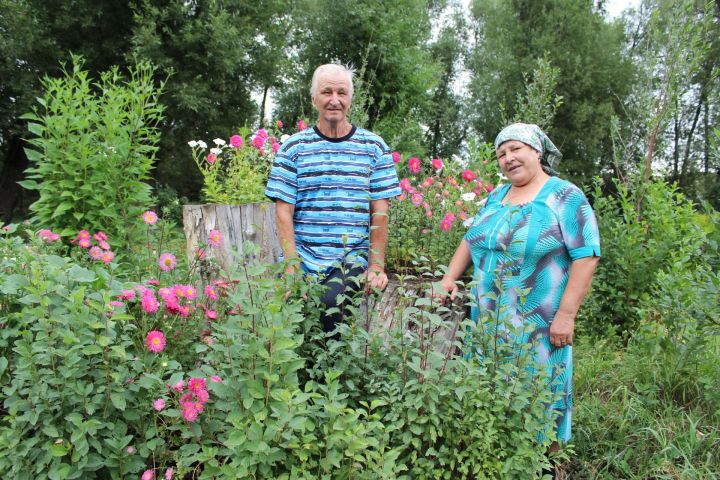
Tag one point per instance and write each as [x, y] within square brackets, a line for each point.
[282, 183]
[383, 178]
[578, 224]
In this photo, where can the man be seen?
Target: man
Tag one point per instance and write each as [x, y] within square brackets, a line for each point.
[331, 185]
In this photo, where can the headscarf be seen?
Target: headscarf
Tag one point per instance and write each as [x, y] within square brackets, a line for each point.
[532, 135]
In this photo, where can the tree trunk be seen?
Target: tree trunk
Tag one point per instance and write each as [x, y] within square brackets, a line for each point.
[688, 144]
[237, 224]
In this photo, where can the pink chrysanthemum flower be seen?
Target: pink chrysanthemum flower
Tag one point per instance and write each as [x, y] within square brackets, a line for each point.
[196, 384]
[84, 243]
[155, 341]
[405, 185]
[104, 245]
[210, 292]
[302, 125]
[210, 314]
[179, 290]
[107, 257]
[216, 379]
[445, 226]
[83, 234]
[279, 123]
[215, 238]
[152, 282]
[148, 475]
[189, 412]
[416, 199]
[211, 158]
[149, 302]
[401, 197]
[127, 294]
[100, 237]
[159, 404]
[200, 253]
[437, 164]
[48, 236]
[169, 473]
[414, 164]
[150, 217]
[236, 141]
[202, 396]
[488, 188]
[468, 175]
[428, 213]
[115, 303]
[396, 157]
[275, 145]
[190, 292]
[167, 261]
[179, 386]
[95, 253]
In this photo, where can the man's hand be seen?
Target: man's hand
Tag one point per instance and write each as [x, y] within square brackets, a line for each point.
[375, 277]
[562, 329]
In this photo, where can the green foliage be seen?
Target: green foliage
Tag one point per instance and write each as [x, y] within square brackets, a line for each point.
[93, 147]
[639, 248]
[540, 102]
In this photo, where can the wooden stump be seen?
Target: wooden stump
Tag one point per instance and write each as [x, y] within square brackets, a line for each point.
[237, 224]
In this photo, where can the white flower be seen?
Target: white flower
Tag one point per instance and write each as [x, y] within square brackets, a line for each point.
[202, 144]
[216, 151]
[468, 222]
[503, 177]
[284, 138]
[192, 143]
[468, 197]
[219, 142]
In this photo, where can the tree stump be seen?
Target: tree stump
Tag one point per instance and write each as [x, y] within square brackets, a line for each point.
[237, 224]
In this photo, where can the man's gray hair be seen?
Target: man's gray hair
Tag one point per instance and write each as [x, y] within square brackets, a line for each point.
[331, 67]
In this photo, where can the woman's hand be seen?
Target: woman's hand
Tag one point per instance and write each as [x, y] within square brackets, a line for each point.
[446, 286]
[562, 329]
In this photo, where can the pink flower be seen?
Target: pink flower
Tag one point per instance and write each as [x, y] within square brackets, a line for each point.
[262, 133]
[83, 234]
[302, 125]
[189, 412]
[405, 185]
[148, 475]
[208, 340]
[149, 302]
[100, 237]
[159, 404]
[258, 142]
[414, 164]
[179, 290]
[416, 199]
[437, 164]
[236, 141]
[166, 293]
[210, 314]
[48, 236]
[115, 303]
[468, 175]
[152, 282]
[488, 188]
[179, 386]
[462, 215]
[428, 213]
[275, 145]
[84, 242]
[215, 238]
[130, 450]
[445, 226]
[279, 124]
[190, 292]
[200, 253]
[449, 217]
[95, 253]
[210, 292]
[196, 384]
[104, 245]
[150, 217]
[216, 379]
[107, 257]
[169, 473]
[127, 294]
[155, 341]
[167, 261]
[401, 197]
[203, 396]
[396, 157]
[211, 158]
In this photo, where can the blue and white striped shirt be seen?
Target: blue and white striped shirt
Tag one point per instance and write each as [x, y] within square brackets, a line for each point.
[331, 182]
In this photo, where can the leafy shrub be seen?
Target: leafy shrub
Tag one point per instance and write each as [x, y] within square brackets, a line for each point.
[104, 378]
[93, 149]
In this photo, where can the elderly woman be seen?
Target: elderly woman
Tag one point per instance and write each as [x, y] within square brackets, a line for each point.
[537, 233]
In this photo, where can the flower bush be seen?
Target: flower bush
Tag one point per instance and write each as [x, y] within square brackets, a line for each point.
[236, 171]
[438, 201]
[134, 371]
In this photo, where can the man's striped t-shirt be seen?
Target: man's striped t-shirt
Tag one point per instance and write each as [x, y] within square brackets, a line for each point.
[331, 182]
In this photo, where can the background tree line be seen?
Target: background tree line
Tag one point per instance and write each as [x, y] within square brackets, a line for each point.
[637, 91]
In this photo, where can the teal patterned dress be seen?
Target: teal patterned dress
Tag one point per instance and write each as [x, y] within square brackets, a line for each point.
[531, 246]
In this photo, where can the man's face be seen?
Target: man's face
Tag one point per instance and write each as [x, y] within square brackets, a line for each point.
[332, 97]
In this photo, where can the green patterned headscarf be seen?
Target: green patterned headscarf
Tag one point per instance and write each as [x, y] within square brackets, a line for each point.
[534, 136]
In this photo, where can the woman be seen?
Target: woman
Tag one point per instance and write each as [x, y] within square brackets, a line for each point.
[537, 233]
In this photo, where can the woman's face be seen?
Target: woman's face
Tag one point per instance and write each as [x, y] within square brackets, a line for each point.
[518, 161]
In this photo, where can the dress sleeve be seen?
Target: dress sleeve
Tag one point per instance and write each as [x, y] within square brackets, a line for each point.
[282, 183]
[578, 224]
[383, 178]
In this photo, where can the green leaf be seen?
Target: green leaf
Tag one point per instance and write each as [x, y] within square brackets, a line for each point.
[118, 400]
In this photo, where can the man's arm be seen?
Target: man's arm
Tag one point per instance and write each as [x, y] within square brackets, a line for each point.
[284, 213]
[377, 278]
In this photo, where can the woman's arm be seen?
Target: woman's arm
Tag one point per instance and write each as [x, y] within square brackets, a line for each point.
[563, 325]
[459, 263]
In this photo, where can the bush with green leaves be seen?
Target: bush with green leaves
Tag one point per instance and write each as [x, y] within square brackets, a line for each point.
[105, 376]
[92, 149]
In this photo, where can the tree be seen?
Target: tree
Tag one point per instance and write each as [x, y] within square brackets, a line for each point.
[594, 81]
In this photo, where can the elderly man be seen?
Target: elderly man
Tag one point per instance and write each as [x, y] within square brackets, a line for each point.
[331, 184]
